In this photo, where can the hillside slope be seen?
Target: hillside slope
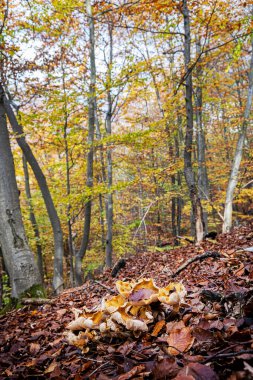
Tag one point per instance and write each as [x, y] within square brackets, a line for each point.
[216, 320]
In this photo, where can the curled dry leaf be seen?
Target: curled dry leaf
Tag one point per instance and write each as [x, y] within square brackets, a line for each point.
[132, 373]
[34, 348]
[180, 340]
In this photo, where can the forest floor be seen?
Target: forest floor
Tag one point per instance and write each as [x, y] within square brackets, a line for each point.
[213, 334]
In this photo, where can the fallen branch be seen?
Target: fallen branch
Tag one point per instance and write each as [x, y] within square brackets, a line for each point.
[229, 355]
[186, 239]
[105, 287]
[36, 301]
[211, 357]
[204, 256]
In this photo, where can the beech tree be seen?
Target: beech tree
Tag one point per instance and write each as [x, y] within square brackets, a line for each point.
[52, 213]
[233, 179]
[188, 169]
[18, 258]
[91, 129]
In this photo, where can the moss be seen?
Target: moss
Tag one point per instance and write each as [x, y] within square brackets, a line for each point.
[36, 291]
[8, 307]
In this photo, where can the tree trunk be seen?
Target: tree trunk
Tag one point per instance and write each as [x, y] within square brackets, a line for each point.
[18, 258]
[109, 205]
[101, 178]
[203, 186]
[70, 249]
[33, 220]
[188, 169]
[91, 128]
[52, 213]
[227, 224]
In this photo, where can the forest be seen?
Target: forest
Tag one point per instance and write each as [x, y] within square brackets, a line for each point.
[126, 133]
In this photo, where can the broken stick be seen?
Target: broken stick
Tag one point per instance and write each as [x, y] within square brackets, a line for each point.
[105, 287]
[204, 256]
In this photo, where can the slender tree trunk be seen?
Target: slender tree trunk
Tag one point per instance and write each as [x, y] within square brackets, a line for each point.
[109, 205]
[33, 220]
[203, 186]
[52, 213]
[179, 202]
[1, 278]
[174, 208]
[233, 179]
[18, 258]
[70, 250]
[70, 236]
[91, 128]
[101, 178]
[188, 169]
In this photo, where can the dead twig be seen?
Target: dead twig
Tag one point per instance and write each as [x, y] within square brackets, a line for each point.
[105, 287]
[97, 369]
[204, 256]
[229, 355]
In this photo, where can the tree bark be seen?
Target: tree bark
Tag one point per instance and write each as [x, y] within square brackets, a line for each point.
[33, 220]
[18, 258]
[52, 213]
[203, 185]
[233, 179]
[70, 249]
[108, 123]
[188, 169]
[91, 128]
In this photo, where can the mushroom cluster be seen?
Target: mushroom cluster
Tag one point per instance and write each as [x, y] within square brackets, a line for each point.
[131, 311]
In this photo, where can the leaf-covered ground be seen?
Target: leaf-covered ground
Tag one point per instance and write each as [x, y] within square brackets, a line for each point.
[214, 328]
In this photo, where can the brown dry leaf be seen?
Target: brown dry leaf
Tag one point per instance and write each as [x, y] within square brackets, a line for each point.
[180, 340]
[126, 348]
[166, 368]
[158, 327]
[61, 312]
[210, 316]
[134, 371]
[171, 326]
[196, 371]
[31, 363]
[34, 348]
[8, 372]
[52, 367]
